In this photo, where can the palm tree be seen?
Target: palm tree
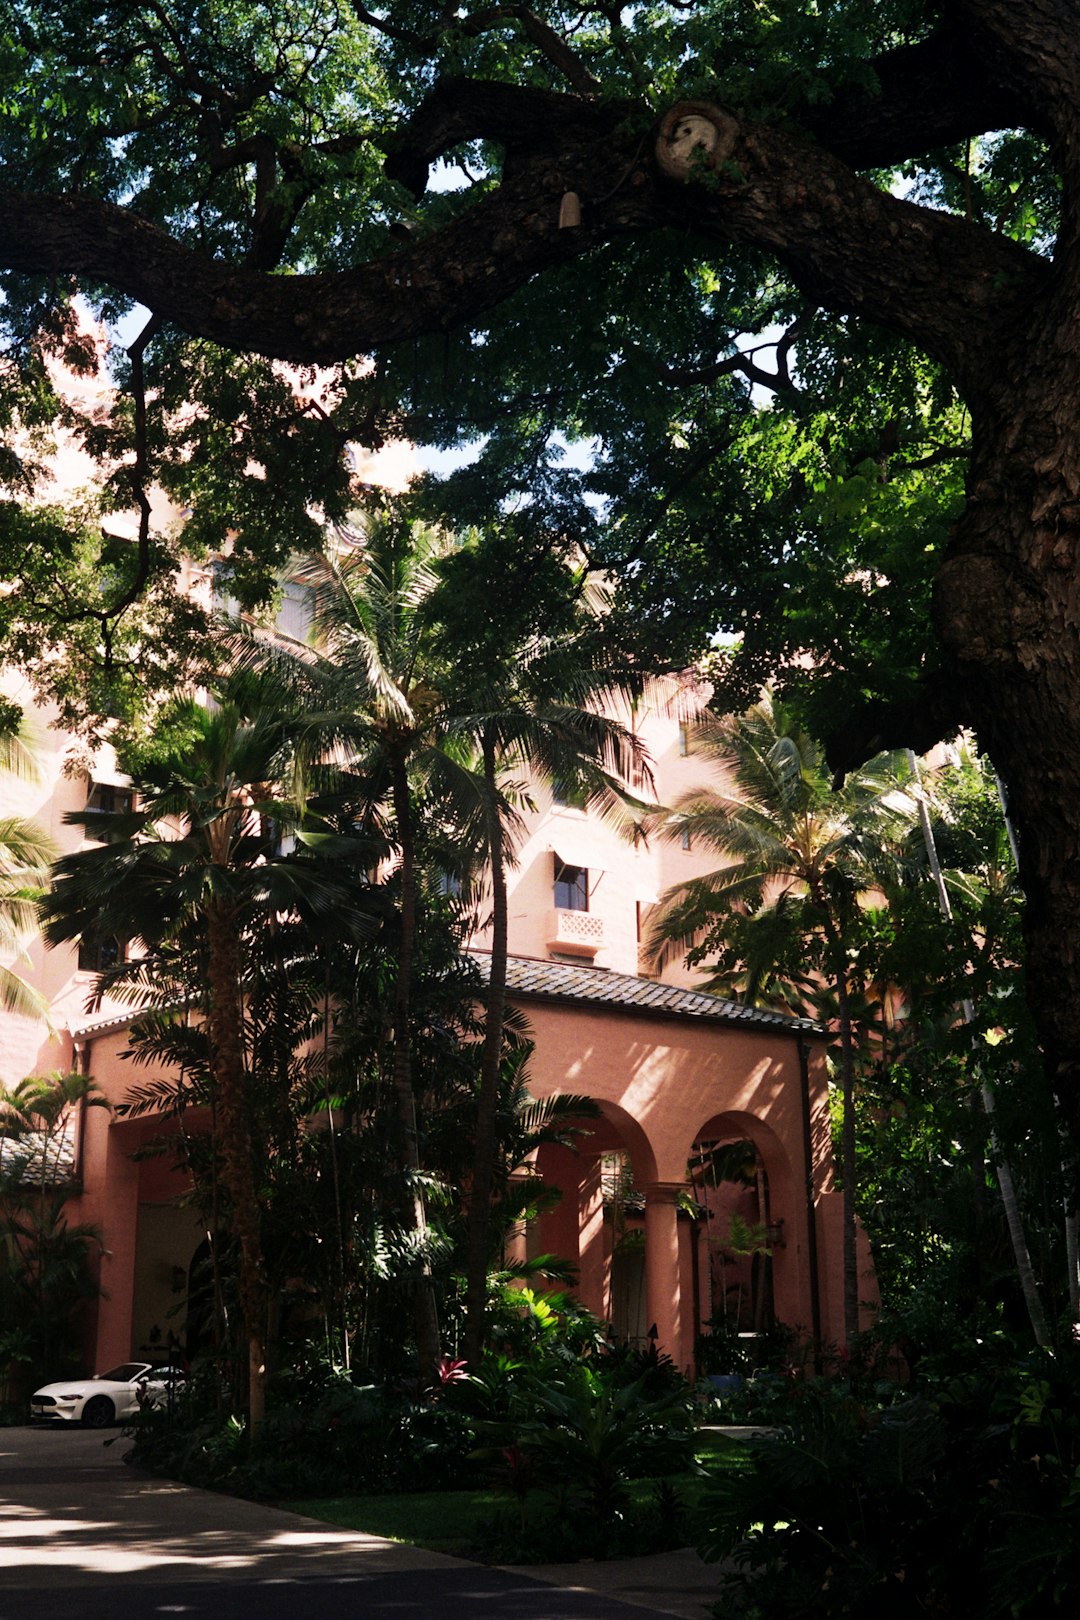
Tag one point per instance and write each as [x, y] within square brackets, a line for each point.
[25, 855]
[786, 906]
[44, 1272]
[35, 1115]
[427, 670]
[374, 681]
[998, 877]
[200, 858]
[528, 700]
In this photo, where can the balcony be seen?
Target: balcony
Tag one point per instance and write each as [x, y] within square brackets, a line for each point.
[575, 933]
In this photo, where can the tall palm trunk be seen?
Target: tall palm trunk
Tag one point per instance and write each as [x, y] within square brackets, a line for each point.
[848, 1165]
[426, 1316]
[848, 1161]
[236, 1144]
[484, 1147]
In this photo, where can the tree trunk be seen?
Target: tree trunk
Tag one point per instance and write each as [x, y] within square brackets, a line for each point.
[1007, 607]
[835, 959]
[425, 1312]
[484, 1147]
[237, 1146]
[848, 1163]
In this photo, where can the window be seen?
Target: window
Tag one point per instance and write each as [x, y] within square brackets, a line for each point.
[221, 598]
[98, 954]
[571, 887]
[106, 799]
[295, 613]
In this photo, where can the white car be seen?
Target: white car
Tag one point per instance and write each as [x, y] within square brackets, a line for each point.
[108, 1397]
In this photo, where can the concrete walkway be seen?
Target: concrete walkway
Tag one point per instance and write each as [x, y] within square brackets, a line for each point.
[82, 1533]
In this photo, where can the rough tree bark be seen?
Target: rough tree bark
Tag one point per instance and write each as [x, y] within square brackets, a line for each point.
[484, 1145]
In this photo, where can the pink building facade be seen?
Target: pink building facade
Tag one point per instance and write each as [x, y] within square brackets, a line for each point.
[674, 1072]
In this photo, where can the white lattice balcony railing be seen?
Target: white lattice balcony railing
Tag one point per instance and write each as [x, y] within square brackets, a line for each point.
[580, 933]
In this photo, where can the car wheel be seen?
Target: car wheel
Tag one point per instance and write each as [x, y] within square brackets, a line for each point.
[98, 1413]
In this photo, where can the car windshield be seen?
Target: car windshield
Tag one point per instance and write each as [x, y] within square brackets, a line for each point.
[126, 1371]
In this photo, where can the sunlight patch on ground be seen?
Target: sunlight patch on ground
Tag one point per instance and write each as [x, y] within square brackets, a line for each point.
[113, 1560]
[318, 1538]
[48, 1527]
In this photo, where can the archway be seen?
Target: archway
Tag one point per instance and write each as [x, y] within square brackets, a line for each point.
[598, 1223]
[751, 1255]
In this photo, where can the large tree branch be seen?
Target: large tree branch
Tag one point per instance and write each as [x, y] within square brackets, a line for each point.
[924, 96]
[918, 722]
[1032, 49]
[929, 95]
[524, 119]
[944, 282]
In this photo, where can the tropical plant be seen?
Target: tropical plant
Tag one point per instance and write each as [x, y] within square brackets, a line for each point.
[45, 1261]
[957, 1035]
[780, 918]
[530, 675]
[201, 856]
[25, 854]
[372, 676]
[584, 1434]
[956, 1498]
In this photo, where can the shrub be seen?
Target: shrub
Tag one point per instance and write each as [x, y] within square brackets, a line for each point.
[961, 1502]
[344, 1438]
[582, 1437]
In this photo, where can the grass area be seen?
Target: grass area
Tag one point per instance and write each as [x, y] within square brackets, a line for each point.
[442, 1521]
[456, 1521]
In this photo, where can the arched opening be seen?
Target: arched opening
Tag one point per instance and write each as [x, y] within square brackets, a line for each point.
[749, 1277]
[624, 1218]
[598, 1222]
[730, 1186]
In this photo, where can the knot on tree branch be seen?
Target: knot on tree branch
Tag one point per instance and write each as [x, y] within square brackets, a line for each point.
[695, 138]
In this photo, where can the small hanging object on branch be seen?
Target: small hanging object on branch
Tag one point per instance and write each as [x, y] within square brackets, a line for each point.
[570, 211]
[695, 138]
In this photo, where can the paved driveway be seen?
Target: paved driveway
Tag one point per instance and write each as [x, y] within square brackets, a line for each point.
[82, 1534]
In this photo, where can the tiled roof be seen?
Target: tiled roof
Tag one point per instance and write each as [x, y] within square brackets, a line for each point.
[564, 981]
[104, 1025]
[30, 1158]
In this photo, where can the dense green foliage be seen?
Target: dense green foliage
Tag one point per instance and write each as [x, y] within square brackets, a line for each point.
[307, 857]
[955, 1499]
[259, 135]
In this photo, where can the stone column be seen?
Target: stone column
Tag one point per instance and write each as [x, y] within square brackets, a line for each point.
[119, 1227]
[663, 1291]
[594, 1288]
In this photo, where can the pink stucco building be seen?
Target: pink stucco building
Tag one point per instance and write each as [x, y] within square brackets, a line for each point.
[675, 1073]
